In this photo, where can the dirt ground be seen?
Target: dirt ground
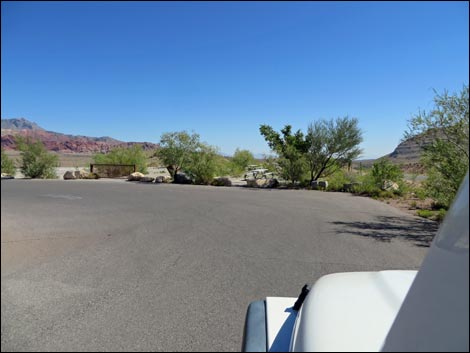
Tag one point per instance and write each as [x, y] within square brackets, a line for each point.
[409, 205]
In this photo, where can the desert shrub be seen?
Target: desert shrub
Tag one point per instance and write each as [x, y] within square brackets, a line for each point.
[241, 160]
[202, 164]
[440, 187]
[420, 193]
[403, 188]
[440, 215]
[437, 216]
[444, 138]
[223, 166]
[367, 186]
[373, 182]
[37, 162]
[425, 213]
[121, 155]
[386, 194]
[383, 170]
[337, 180]
[8, 166]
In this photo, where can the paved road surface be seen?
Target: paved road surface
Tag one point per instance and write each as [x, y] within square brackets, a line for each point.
[118, 266]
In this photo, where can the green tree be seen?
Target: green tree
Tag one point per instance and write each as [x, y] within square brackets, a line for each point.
[122, 155]
[241, 160]
[443, 134]
[37, 162]
[291, 149]
[8, 166]
[292, 164]
[176, 150]
[203, 164]
[332, 145]
[384, 170]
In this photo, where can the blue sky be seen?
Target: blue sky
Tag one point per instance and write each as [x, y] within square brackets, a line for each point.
[134, 70]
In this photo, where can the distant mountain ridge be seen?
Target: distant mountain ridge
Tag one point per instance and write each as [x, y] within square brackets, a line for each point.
[408, 152]
[59, 142]
[19, 124]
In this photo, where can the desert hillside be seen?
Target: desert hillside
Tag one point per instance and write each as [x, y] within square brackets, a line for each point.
[59, 142]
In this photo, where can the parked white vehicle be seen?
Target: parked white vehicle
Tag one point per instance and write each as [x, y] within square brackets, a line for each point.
[425, 310]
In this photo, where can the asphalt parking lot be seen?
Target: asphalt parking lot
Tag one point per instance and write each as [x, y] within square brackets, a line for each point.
[110, 265]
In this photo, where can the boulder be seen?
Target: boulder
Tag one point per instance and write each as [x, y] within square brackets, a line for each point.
[262, 183]
[69, 175]
[91, 176]
[163, 179]
[272, 183]
[81, 174]
[135, 176]
[390, 185]
[146, 179]
[181, 178]
[319, 185]
[221, 181]
[253, 183]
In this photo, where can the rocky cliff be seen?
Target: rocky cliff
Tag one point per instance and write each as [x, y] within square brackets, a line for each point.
[407, 151]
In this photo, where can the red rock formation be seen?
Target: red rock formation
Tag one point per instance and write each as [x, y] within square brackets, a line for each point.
[67, 143]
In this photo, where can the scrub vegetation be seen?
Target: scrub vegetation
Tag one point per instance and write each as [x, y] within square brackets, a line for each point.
[36, 162]
[325, 152]
[8, 165]
[121, 155]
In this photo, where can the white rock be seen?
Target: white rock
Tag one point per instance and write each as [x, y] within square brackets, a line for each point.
[135, 176]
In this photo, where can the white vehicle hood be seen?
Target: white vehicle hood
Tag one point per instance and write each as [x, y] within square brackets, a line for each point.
[350, 311]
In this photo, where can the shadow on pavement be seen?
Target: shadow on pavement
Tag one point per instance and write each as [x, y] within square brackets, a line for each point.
[386, 228]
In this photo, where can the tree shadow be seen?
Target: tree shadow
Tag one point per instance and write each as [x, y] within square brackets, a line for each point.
[419, 231]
